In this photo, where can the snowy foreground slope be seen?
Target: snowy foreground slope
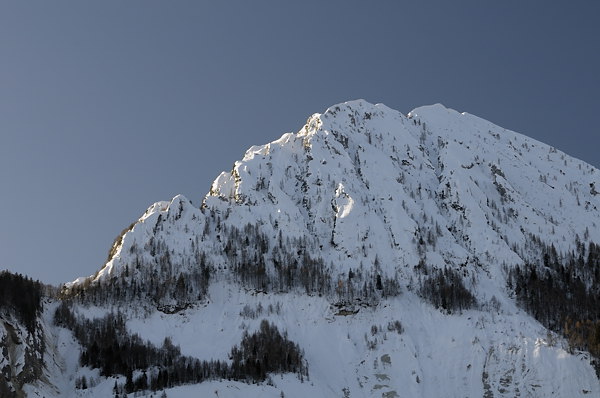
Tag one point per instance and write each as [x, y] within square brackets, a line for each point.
[329, 233]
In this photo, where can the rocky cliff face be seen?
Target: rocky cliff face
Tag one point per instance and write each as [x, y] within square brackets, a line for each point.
[22, 336]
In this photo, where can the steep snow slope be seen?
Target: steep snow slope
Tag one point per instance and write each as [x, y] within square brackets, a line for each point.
[363, 187]
[489, 353]
[503, 353]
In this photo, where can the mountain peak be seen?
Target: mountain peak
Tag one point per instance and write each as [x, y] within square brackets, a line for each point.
[361, 180]
[431, 110]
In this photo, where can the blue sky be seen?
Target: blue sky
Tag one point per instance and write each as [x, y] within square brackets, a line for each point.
[107, 107]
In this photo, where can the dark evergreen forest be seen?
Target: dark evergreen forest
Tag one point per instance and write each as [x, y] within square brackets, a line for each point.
[108, 346]
[445, 289]
[563, 293]
[21, 297]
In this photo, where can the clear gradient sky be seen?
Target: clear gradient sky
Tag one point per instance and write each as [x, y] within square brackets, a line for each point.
[109, 106]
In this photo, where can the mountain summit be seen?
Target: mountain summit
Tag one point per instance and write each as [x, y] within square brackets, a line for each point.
[429, 254]
[362, 182]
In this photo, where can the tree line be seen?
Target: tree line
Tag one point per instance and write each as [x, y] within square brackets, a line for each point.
[445, 289]
[288, 266]
[168, 285]
[563, 293]
[109, 347]
[21, 297]
[151, 274]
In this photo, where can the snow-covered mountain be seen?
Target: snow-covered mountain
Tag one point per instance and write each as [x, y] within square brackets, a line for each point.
[362, 180]
[403, 254]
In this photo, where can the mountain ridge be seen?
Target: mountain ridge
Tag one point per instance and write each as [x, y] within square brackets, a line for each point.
[428, 138]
